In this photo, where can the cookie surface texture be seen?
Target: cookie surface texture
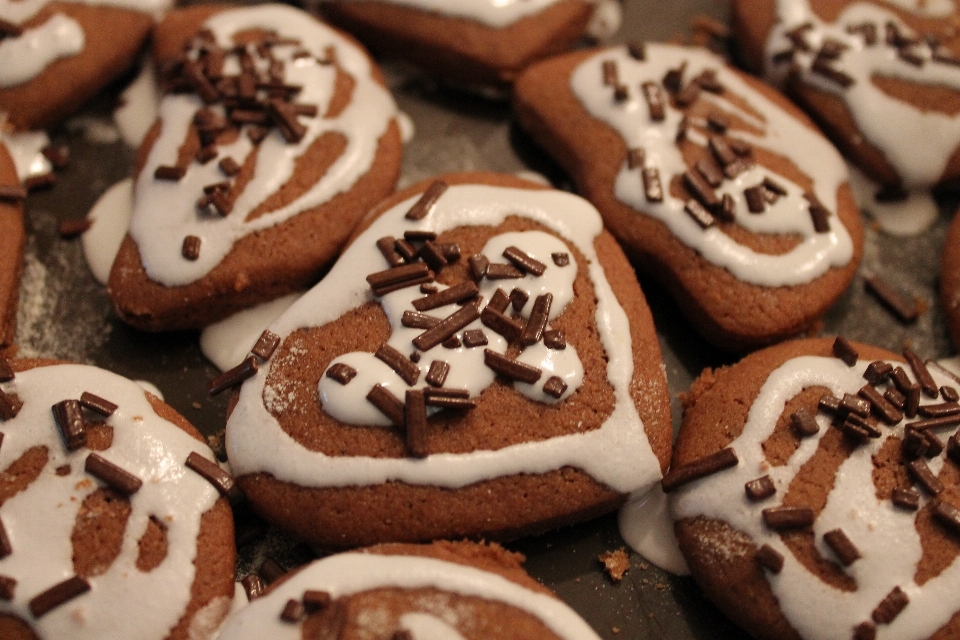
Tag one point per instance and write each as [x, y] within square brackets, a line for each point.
[520, 403]
[881, 78]
[269, 147]
[107, 532]
[838, 519]
[950, 280]
[713, 183]
[54, 56]
[11, 249]
[471, 42]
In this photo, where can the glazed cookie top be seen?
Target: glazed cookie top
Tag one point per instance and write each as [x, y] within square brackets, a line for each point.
[26, 51]
[258, 93]
[78, 441]
[347, 574]
[884, 527]
[864, 54]
[459, 335]
[695, 133]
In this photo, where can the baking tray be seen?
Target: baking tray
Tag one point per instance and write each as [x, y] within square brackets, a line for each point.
[64, 313]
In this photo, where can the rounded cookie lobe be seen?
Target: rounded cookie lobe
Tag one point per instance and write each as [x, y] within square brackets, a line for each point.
[65, 53]
[834, 503]
[445, 589]
[480, 43]
[880, 78]
[262, 160]
[109, 532]
[394, 414]
[713, 183]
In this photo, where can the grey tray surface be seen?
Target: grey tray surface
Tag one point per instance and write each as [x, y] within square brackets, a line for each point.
[64, 313]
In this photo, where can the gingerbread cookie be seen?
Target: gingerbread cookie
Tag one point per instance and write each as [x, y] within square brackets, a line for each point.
[112, 523]
[713, 183]
[275, 136]
[442, 590]
[880, 77]
[815, 488]
[55, 55]
[11, 249]
[479, 362]
[469, 42]
[950, 280]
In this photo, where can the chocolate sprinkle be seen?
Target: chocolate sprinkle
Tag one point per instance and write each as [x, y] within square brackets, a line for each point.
[865, 631]
[292, 611]
[57, 595]
[271, 571]
[500, 301]
[906, 498]
[949, 393]
[401, 365]
[73, 227]
[555, 339]
[920, 472]
[167, 172]
[415, 416]
[554, 387]
[709, 171]
[117, 478]
[387, 403]
[6, 371]
[97, 404]
[947, 514]
[5, 548]
[877, 372]
[533, 330]
[637, 50]
[921, 373]
[770, 559]
[315, 600]
[755, 199]
[448, 402]
[655, 103]
[10, 405]
[636, 157]
[397, 275]
[518, 299]
[881, 406]
[524, 261]
[12, 193]
[432, 256]
[906, 311]
[788, 517]
[423, 206]
[266, 344]
[342, 373]
[652, 187]
[437, 374]
[253, 586]
[7, 588]
[457, 293]
[852, 404]
[233, 377]
[941, 409]
[953, 448]
[478, 266]
[446, 328]
[699, 468]
[890, 607]
[699, 189]
[69, 419]
[191, 248]
[474, 338]
[502, 271]
[699, 214]
[387, 248]
[896, 398]
[229, 167]
[496, 320]
[841, 545]
[804, 423]
[510, 368]
[728, 209]
[760, 489]
[843, 349]
[417, 320]
[210, 471]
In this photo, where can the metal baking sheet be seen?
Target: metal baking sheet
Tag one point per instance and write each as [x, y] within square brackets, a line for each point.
[64, 313]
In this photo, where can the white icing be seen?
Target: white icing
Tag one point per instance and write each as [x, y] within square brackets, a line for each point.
[26, 149]
[347, 403]
[498, 14]
[646, 525]
[783, 134]
[606, 19]
[423, 626]
[918, 143]
[23, 57]
[138, 106]
[617, 454]
[40, 519]
[110, 217]
[350, 573]
[407, 127]
[885, 535]
[150, 387]
[905, 218]
[165, 211]
[228, 342]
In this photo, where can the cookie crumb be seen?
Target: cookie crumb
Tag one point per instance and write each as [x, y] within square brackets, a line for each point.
[616, 563]
[615, 630]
